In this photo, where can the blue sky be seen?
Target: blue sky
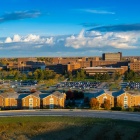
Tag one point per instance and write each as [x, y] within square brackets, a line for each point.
[69, 27]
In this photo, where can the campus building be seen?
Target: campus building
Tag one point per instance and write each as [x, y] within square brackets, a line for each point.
[102, 95]
[135, 66]
[112, 56]
[127, 98]
[54, 100]
[102, 70]
[32, 100]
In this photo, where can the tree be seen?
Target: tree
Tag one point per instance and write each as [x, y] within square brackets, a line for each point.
[17, 75]
[24, 76]
[69, 95]
[35, 75]
[30, 74]
[94, 104]
[78, 75]
[130, 75]
[82, 74]
[70, 76]
[106, 105]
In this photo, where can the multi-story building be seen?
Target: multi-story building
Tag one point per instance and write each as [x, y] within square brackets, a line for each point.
[112, 56]
[9, 100]
[127, 98]
[109, 63]
[32, 101]
[54, 100]
[135, 66]
[102, 70]
[29, 101]
[101, 96]
[73, 66]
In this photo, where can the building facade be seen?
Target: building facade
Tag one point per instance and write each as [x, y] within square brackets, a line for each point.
[112, 56]
[54, 100]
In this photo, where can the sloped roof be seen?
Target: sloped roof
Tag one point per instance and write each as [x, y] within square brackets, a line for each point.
[43, 95]
[36, 94]
[23, 95]
[98, 93]
[10, 95]
[58, 94]
[118, 93]
[134, 93]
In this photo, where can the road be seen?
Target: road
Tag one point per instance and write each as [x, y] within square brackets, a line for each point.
[81, 113]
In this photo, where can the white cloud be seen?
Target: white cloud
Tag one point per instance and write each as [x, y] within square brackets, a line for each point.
[32, 38]
[95, 11]
[29, 39]
[49, 40]
[93, 39]
[16, 38]
[8, 40]
[98, 11]
[38, 46]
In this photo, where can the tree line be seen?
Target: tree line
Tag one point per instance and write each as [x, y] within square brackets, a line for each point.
[38, 74]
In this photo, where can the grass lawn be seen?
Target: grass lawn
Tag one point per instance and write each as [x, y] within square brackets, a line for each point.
[67, 128]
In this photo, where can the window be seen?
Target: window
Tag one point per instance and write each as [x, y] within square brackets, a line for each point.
[125, 102]
[104, 99]
[51, 101]
[125, 98]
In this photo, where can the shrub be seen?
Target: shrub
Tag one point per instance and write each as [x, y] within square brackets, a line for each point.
[131, 109]
[116, 108]
[136, 109]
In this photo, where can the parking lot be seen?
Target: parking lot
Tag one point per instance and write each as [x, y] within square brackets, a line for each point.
[132, 85]
[79, 85]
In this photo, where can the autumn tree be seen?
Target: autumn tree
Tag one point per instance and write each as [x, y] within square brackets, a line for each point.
[94, 104]
[106, 105]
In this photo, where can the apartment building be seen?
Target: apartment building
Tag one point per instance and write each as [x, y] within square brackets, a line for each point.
[9, 100]
[127, 98]
[32, 101]
[29, 101]
[54, 100]
[102, 95]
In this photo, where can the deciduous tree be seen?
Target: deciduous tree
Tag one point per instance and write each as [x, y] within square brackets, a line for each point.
[94, 104]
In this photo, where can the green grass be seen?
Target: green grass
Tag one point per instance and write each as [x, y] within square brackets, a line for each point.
[67, 128]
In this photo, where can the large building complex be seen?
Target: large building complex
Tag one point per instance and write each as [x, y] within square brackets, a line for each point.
[61, 65]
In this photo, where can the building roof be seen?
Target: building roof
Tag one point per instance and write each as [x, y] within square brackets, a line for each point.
[58, 94]
[134, 93]
[118, 93]
[23, 95]
[10, 95]
[104, 68]
[43, 95]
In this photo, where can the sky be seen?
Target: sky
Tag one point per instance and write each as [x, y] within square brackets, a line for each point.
[63, 28]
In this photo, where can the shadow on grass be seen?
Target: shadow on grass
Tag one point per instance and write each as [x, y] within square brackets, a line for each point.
[67, 128]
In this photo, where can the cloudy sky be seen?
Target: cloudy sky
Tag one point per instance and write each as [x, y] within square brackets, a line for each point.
[69, 27]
